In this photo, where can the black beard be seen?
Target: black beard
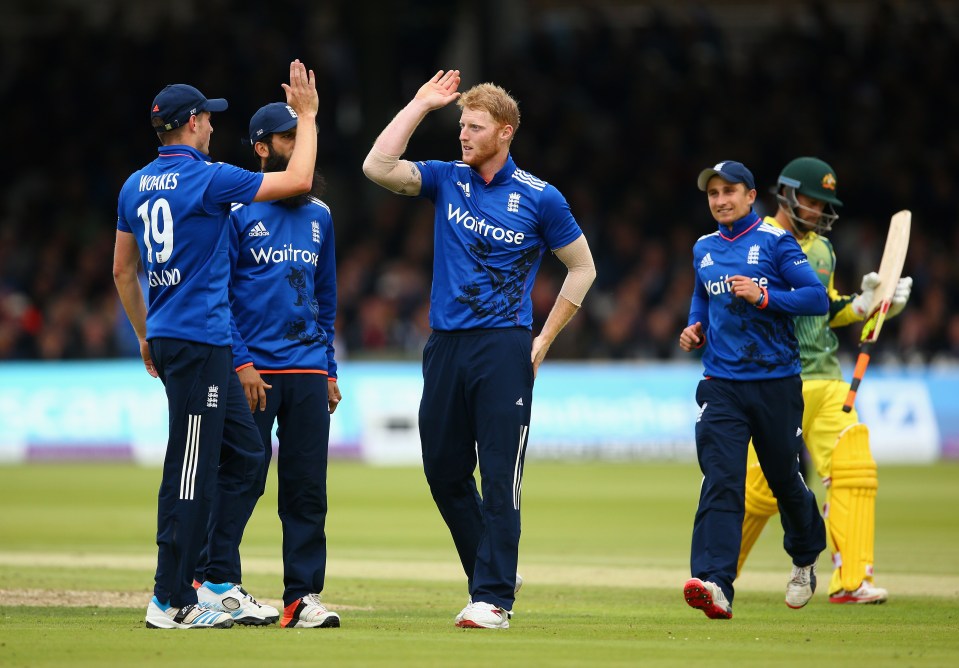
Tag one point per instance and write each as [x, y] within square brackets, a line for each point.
[277, 163]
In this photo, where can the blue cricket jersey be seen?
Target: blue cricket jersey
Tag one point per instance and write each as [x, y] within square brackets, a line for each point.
[177, 208]
[489, 239]
[283, 291]
[742, 341]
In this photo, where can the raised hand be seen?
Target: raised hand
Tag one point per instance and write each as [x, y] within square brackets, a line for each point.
[440, 90]
[301, 91]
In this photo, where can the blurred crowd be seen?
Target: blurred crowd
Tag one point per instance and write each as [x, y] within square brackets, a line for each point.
[620, 110]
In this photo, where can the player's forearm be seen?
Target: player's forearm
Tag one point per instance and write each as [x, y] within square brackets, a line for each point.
[580, 270]
[303, 159]
[128, 288]
[241, 354]
[383, 165]
[559, 316]
[396, 135]
[806, 300]
[699, 307]
[297, 178]
[842, 313]
[126, 259]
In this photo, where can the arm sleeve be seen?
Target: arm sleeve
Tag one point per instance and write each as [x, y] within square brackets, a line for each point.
[557, 225]
[241, 355]
[699, 306]
[429, 172]
[807, 296]
[122, 223]
[325, 294]
[231, 184]
[389, 171]
[580, 270]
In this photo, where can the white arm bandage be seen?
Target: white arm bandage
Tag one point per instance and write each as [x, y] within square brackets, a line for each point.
[400, 176]
[579, 262]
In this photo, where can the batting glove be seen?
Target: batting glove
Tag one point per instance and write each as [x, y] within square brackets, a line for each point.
[901, 296]
[862, 301]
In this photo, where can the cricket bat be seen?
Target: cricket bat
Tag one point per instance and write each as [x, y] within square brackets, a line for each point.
[890, 270]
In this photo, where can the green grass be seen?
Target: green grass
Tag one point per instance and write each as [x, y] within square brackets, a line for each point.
[604, 553]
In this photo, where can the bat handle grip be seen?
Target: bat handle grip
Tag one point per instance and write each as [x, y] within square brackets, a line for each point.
[861, 363]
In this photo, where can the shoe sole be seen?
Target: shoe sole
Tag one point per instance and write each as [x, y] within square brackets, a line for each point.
[331, 622]
[470, 624]
[878, 600]
[256, 621]
[801, 605]
[173, 625]
[697, 596]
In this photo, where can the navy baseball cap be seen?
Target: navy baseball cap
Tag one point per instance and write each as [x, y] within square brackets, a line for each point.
[177, 102]
[270, 118]
[728, 170]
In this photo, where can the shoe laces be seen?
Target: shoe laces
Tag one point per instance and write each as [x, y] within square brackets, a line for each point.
[314, 599]
[486, 607]
[800, 575]
[246, 594]
[719, 598]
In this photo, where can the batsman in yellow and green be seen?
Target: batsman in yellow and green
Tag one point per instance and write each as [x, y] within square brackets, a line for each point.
[837, 442]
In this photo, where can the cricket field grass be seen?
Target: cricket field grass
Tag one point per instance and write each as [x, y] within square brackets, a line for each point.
[604, 555]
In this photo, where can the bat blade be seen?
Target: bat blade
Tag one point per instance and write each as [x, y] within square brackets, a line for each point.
[890, 270]
[893, 260]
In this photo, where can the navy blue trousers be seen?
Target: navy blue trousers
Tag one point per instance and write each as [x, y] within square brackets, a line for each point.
[213, 451]
[299, 403]
[477, 394]
[731, 412]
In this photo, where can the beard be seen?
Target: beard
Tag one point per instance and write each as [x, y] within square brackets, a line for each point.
[277, 163]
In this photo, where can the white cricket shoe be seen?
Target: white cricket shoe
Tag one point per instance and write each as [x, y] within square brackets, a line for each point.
[309, 613]
[481, 615]
[708, 597]
[509, 613]
[238, 603]
[193, 616]
[867, 593]
[801, 586]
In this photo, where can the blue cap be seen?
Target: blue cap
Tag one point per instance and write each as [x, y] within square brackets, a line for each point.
[270, 118]
[728, 170]
[177, 102]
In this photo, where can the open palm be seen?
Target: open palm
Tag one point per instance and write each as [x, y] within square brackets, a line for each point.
[440, 90]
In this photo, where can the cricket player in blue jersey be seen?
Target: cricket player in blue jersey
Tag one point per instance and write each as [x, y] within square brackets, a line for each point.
[751, 279]
[286, 267]
[493, 223]
[173, 219]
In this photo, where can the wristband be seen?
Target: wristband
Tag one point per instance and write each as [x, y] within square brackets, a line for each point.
[763, 300]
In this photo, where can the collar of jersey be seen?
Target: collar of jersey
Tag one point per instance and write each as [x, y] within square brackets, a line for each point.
[804, 243]
[740, 227]
[182, 151]
[503, 174]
